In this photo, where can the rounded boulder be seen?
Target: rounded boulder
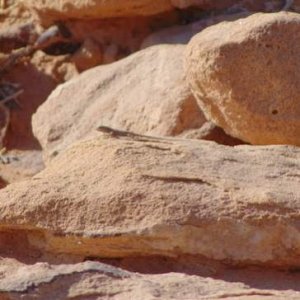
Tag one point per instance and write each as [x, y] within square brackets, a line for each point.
[246, 77]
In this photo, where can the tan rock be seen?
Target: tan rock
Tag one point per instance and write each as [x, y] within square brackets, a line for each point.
[49, 11]
[245, 75]
[119, 196]
[145, 93]
[101, 281]
[13, 15]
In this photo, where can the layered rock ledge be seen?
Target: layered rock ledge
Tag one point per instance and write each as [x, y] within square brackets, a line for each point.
[122, 195]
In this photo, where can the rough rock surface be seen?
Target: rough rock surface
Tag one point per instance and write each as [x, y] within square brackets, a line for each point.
[118, 196]
[49, 10]
[144, 93]
[94, 280]
[246, 77]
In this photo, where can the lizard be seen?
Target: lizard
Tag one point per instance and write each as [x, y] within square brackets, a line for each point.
[117, 133]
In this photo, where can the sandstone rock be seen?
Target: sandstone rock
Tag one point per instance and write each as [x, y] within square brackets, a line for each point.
[15, 14]
[145, 93]
[94, 280]
[245, 75]
[210, 132]
[49, 11]
[120, 196]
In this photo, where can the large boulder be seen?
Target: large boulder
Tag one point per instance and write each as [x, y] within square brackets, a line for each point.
[122, 195]
[246, 77]
[145, 93]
